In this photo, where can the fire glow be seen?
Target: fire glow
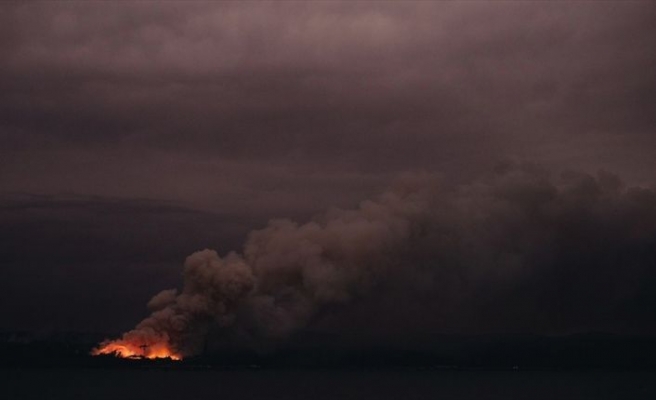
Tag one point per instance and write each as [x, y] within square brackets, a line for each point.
[124, 349]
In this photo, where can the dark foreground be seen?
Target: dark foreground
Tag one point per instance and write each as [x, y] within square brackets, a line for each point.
[590, 366]
[592, 351]
[320, 384]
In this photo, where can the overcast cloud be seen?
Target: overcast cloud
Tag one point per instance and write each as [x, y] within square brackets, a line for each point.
[129, 125]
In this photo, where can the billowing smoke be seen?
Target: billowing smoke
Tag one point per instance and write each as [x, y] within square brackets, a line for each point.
[518, 250]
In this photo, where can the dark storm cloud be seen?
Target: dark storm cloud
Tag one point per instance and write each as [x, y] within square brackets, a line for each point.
[250, 111]
[347, 86]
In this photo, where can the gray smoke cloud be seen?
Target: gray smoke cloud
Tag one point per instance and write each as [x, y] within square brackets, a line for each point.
[517, 250]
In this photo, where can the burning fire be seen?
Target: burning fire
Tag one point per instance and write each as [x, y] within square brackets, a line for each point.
[125, 349]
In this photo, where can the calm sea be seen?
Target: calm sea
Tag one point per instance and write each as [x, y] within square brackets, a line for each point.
[322, 384]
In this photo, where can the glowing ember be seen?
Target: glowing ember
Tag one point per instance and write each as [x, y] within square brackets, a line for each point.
[124, 349]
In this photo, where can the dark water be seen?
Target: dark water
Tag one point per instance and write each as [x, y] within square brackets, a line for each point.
[379, 385]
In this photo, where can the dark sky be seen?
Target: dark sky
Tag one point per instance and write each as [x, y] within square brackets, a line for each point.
[135, 133]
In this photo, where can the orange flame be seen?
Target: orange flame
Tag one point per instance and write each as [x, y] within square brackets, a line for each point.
[125, 349]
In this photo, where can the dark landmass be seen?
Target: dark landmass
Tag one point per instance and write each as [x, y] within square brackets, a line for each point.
[521, 352]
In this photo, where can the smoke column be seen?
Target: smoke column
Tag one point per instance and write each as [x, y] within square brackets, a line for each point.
[518, 250]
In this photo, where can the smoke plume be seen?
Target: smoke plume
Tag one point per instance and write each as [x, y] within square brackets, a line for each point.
[518, 250]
